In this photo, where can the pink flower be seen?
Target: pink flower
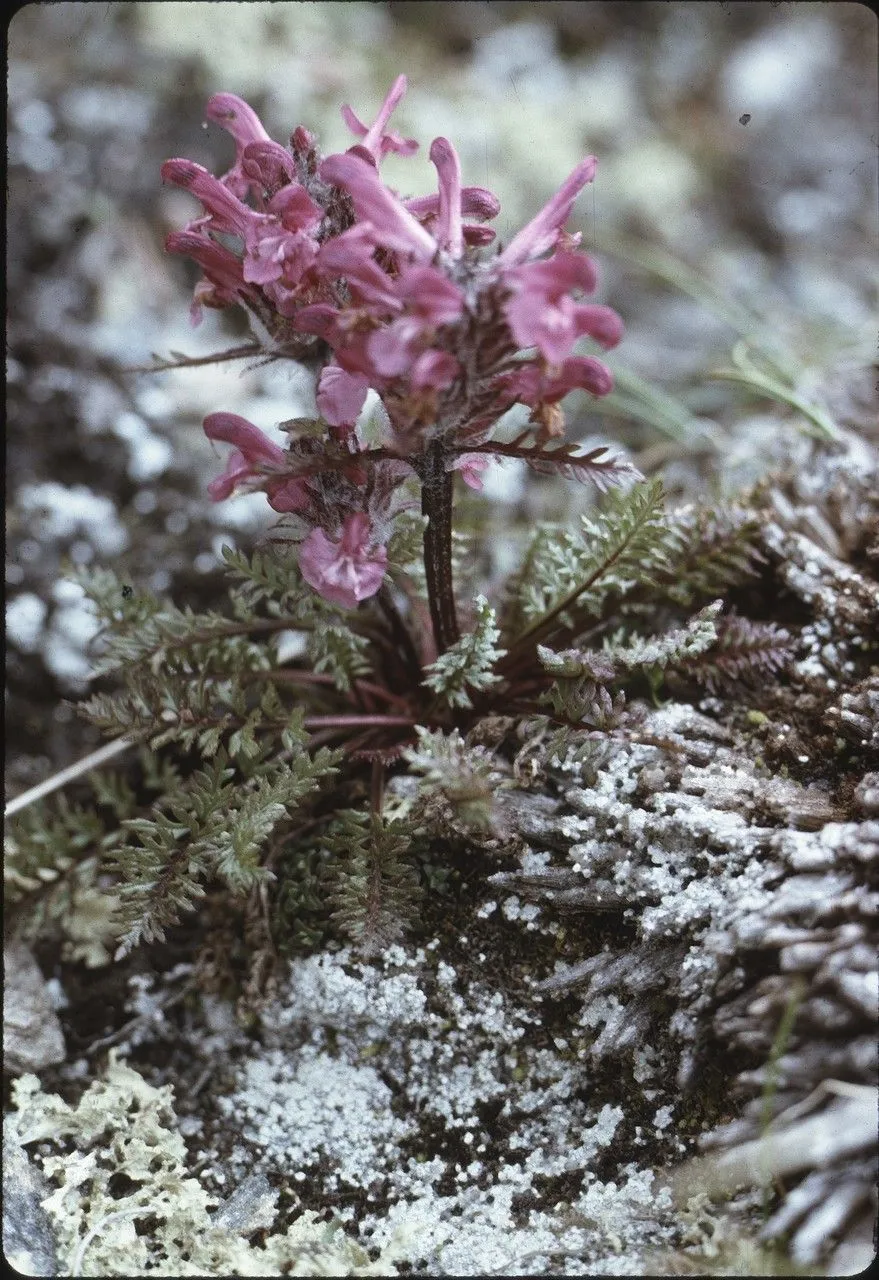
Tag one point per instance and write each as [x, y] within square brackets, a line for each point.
[449, 235]
[340, 396]
[533, 386]
[347, 571]
[476, 202]
[542, 314]
[543, 232]
[268, 166]
[223, 283]
[430, 295]
[226, 213]
[253, 461]
[275, 255]
[295, 208]
[387, 297]
[350, 255]
[375, 140]
[471, 466]
[390, 221]
[278, 245]
[428, 300]
[245, 126]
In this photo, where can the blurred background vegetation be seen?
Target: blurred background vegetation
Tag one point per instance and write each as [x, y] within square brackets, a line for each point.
[734, 219]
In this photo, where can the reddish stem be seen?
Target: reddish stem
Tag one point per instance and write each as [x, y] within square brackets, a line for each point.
[356, 722]
[292, 676]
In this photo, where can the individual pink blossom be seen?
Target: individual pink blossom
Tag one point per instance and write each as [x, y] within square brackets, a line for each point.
[533, 386]
[223, 282]
[427, 300]
[278, 244]
[295, 209]
[350, 254]
[340, 396]
[347, 341]
[449, 234]
[377, 140]
[541, 313]
[253, 462]
[245, 126]
[268, 166]
[225, 212]
[544, 230]
[391, 222]
[471, 466]
[347, 571]
[275, 255]
[476, 202]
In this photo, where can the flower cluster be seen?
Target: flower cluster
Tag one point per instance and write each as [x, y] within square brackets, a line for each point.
[374, 291]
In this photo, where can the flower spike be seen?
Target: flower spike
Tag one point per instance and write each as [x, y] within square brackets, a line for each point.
[390, 296]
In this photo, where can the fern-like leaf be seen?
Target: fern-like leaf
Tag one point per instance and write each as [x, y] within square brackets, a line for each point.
[713, 547]
[267, 577]
[673, 648]
[213, 825]
[624, 546]
[745, 652]
[340, 652]
[42, 842]
[580, 692]
[375, 890]
[564, 459]
[469, 662]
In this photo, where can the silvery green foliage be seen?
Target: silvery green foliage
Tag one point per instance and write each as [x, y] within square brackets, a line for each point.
[339, 652]
[219, 686]
[580, 691]
[469, 663]
[671, 649]
[375, 889]
[622, 546]
[268, 578]
[464, 775]
[213, 826]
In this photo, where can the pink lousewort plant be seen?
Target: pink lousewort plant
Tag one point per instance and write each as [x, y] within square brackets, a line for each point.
[401, 296]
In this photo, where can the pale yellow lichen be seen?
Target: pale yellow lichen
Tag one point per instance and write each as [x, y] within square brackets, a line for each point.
[124, 1126]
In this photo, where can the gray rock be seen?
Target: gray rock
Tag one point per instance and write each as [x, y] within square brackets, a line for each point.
[28, 1244]
[32, 1037]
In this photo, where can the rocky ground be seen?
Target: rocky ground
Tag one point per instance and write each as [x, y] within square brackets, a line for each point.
[669, 992]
